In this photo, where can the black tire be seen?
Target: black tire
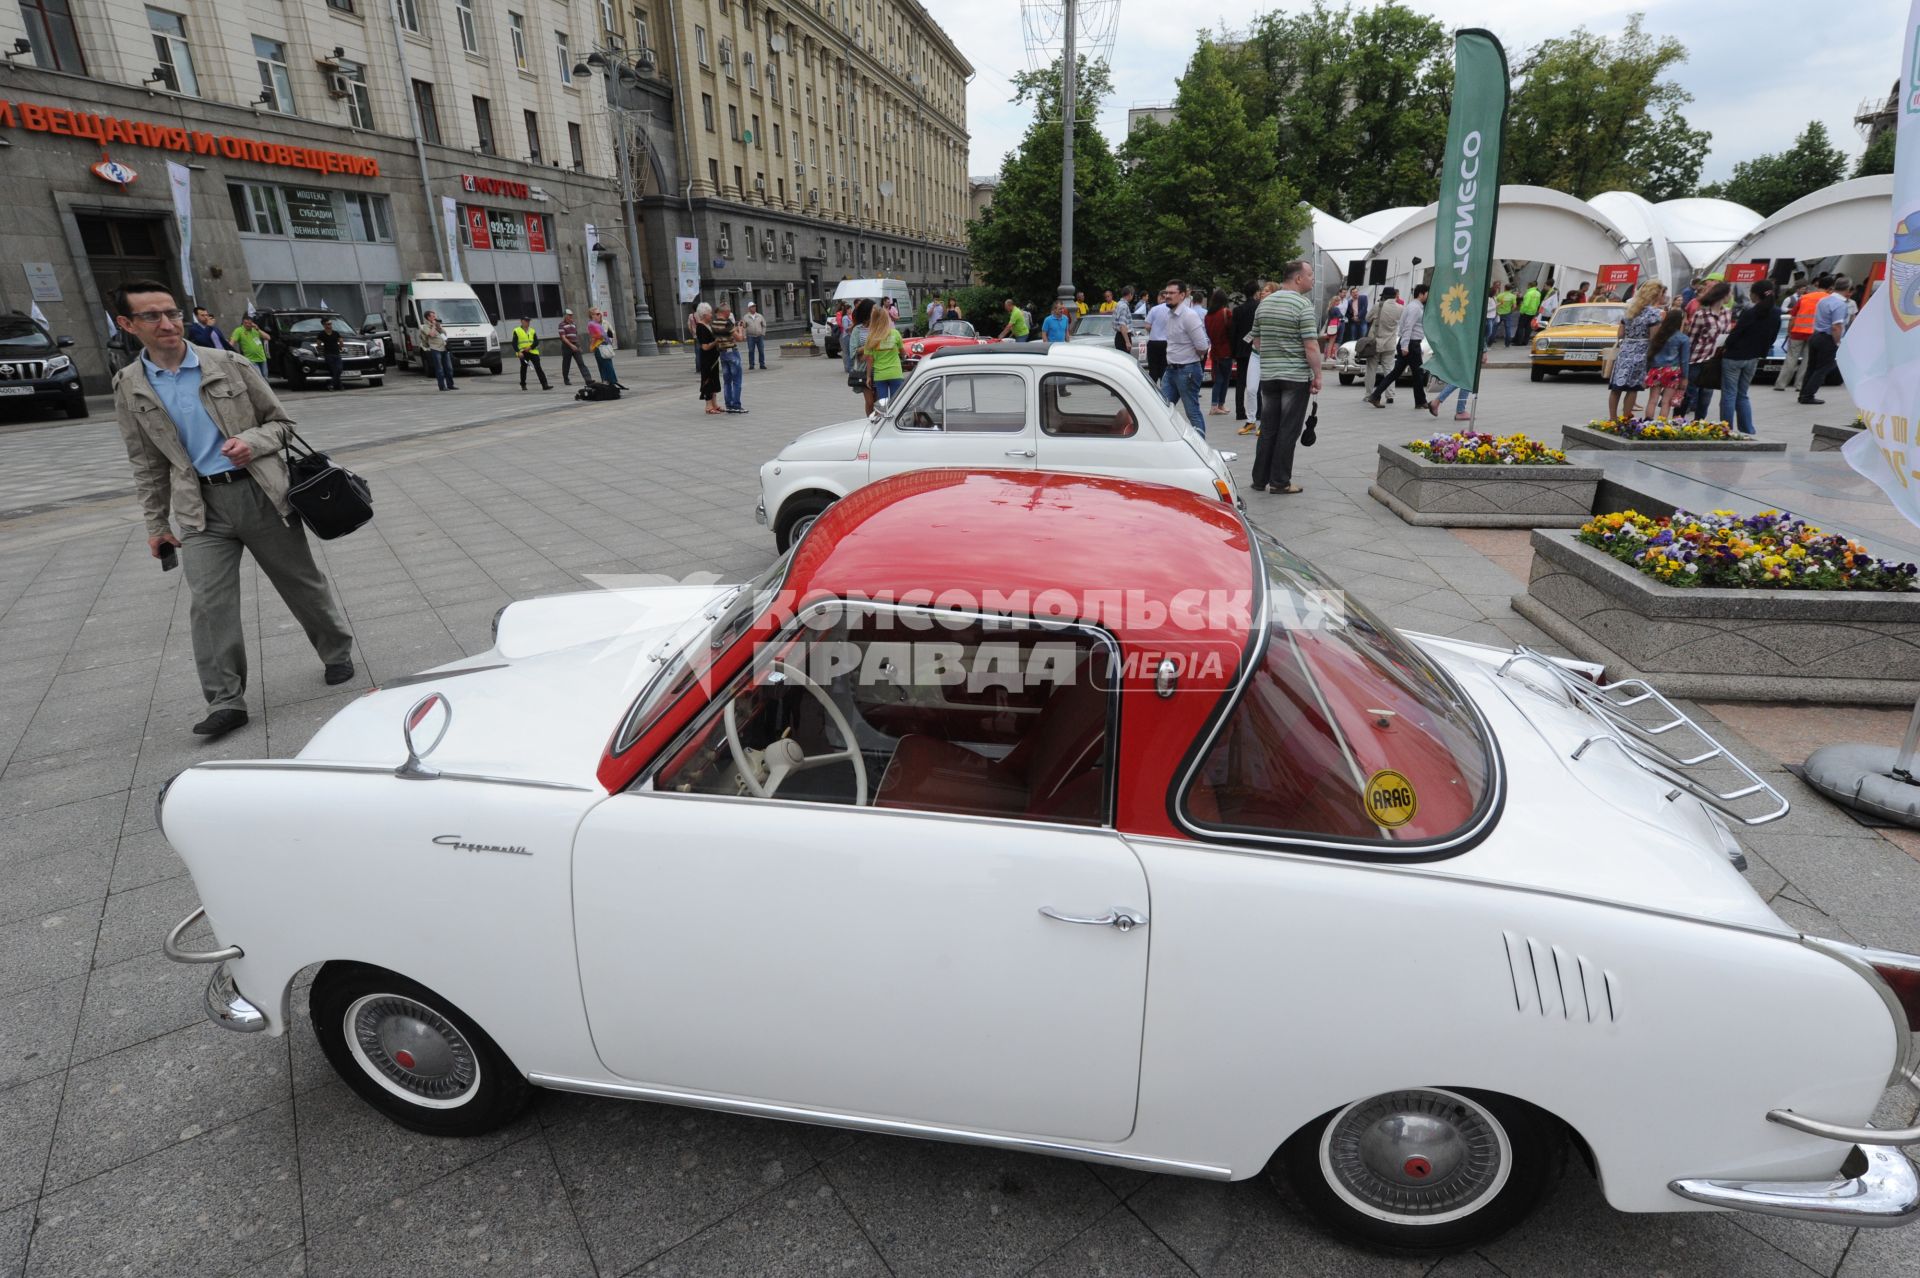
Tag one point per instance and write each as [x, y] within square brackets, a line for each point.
[1539, 374]
[1491, 1159]
[1348, 379]
[797, 516]
[377, 382]
[496, 368]
[393, 1015]
[76, 408]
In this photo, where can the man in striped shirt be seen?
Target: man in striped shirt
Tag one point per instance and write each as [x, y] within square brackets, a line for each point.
[1286, 332]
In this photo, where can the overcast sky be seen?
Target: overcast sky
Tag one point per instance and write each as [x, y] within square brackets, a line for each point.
[1758, 69]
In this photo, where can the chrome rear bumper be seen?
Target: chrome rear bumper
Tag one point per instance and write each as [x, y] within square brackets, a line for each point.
[1877, 1187]
[228, 1008]
[760, 512]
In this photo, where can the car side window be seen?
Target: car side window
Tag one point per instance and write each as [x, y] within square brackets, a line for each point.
[1075, 405]
[984, 403]
[902, 708]
[922, 412]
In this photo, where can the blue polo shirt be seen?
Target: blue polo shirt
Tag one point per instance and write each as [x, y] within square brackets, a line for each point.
[179, 392]
[1832, 310]
[1055, 327]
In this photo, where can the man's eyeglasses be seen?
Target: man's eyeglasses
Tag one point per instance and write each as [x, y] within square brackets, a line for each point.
[154, 317]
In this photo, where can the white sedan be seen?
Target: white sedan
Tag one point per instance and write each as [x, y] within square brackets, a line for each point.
[1070, 815]
[1009, 406]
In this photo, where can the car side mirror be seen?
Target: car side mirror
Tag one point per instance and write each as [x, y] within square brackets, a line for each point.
[63, 341]
[426, 722]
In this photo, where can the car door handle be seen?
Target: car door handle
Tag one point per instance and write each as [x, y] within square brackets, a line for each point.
[1021, 452]
[1119, 917]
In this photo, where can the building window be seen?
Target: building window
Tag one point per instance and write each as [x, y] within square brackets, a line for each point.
[359, 98]
[275, 86]
[342, 6]
[50, 32]
[640, 30]
[517, 30]
[739, 180]
[733, 122]
[170, 44]
[776, 138]
[756, 133]
[578, 146]
[483, 124]
[749, 230]
[746, 14]
[706, 109]
[700, 44]
[533, 136]
[409, 11]
[256, 208]
[429, 118]
[469, 34]
[753, 72]
[783, 189]
[566, 59]
[606, 15]
[726, 55]
[713, 174]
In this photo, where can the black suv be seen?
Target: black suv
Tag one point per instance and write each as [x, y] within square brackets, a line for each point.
[293, 352]
[33, 371]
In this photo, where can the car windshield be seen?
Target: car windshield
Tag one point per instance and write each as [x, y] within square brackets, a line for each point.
[1588, 315]
[1345, 733]
[952, 328]
[722, 622]
[1093, 326]
[21, 336]
[311, 325]
[455, 310]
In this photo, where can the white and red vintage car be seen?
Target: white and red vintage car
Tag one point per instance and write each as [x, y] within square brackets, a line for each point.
[1074, 815]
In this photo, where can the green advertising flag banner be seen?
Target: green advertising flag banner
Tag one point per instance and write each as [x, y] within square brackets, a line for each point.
[1469, 199]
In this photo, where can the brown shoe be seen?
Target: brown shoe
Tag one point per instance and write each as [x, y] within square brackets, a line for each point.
[1290, 488]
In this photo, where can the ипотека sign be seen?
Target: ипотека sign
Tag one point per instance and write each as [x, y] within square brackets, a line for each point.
[109, 129]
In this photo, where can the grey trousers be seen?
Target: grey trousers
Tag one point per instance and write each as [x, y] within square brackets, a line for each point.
[1793, 366]
[239, 516]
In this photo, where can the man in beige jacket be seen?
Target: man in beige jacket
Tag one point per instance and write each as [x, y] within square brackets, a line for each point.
[205, 434]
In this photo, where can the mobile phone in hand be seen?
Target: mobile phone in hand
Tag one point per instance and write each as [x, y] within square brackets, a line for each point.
[169, 558]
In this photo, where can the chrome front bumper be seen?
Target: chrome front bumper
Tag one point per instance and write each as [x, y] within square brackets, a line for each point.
[760, 512]
[1882, 1192]
[228, 1008]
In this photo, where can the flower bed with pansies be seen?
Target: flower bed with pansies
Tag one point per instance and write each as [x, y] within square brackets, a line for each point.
[1472, 448]
[1768, 551]
[1663, 434]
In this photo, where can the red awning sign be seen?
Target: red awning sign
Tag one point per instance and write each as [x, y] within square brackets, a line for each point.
[1618, 273]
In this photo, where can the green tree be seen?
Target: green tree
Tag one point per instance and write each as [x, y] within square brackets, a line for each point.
[1015, 242]
[1592, 113]
[1359, 101]
[1208, 199]
[1878, 157]
[1768, 183]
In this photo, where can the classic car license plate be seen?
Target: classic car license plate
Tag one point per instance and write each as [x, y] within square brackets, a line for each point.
[16, 390]
[1583, 355]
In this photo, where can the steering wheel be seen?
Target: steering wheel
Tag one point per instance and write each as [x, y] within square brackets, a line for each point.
[784, 757]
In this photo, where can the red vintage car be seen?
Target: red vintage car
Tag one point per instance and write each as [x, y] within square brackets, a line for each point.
[950, 332]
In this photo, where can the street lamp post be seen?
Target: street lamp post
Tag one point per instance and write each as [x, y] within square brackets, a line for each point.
[614, 64]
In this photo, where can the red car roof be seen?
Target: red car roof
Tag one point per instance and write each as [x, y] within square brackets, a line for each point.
[1170, 574]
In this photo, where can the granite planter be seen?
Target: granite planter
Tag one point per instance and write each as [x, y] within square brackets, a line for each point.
[1733, 645]
[1831, 439]
[1453, 495]
[798, 352]
[1587, 437]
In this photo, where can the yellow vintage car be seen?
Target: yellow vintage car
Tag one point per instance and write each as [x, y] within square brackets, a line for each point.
[1576, 339]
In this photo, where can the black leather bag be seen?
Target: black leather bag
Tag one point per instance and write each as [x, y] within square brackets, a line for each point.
[330, 499]
[598, 391]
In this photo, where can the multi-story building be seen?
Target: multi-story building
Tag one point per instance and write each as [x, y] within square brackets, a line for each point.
[821, 140]
[323, 151]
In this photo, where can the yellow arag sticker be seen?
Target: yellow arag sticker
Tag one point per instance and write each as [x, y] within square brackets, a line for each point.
[1390, 800]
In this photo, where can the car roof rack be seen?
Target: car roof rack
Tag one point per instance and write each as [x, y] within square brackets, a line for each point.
[1646, 744]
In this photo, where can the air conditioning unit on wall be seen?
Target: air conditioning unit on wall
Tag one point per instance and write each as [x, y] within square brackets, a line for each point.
[339, 86]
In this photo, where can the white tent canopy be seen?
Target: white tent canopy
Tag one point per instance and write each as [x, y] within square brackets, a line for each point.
[1852, 217]
[1703, 230]
[1536, 224]
[1376, 224]
[1339, 243]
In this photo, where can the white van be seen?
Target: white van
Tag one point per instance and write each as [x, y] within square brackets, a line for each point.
[851, 291]
[470, 334]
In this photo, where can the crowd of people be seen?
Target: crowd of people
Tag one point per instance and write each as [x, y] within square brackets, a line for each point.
[1680, 351]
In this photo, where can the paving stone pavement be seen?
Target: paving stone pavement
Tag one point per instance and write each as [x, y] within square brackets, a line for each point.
[139, 1139]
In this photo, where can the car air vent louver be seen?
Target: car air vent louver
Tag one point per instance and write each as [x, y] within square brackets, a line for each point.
[1550, 981]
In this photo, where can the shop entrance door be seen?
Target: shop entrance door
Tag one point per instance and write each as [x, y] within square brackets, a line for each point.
[123, 248]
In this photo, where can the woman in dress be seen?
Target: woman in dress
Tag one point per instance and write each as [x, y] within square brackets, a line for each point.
[1630, 361]
[706, 343]
[1670, 349]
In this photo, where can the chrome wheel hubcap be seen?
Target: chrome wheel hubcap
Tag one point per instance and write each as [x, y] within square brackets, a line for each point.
[1416, 1157]
[412, 1050]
